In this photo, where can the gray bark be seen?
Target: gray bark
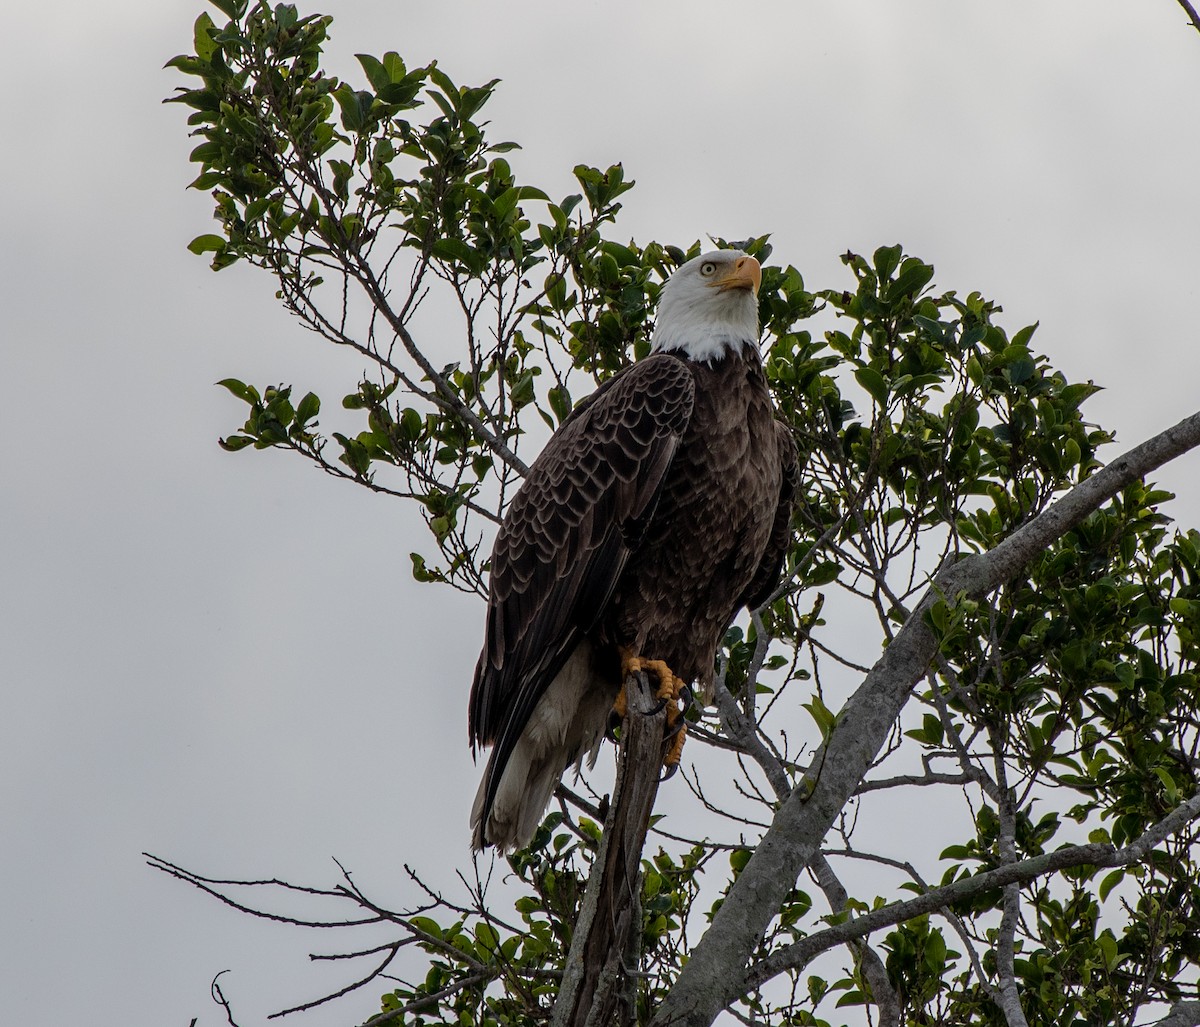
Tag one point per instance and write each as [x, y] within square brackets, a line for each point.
[594, 977]
[1182, 1014]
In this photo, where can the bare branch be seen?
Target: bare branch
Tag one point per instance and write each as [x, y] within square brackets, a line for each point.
[425, 1001]
[1195, 20]
[875, 972]
[318, 458]
[220, 999]
[353, 986]
[446, 396]
[905, 780]
[745, 733]
[212, 887]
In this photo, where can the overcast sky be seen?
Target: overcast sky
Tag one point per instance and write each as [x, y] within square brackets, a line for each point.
[222, 658]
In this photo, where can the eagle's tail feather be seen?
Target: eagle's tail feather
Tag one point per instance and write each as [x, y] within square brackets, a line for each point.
[567, 725]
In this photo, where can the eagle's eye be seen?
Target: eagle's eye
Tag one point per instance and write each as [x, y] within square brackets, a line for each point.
[707, 268]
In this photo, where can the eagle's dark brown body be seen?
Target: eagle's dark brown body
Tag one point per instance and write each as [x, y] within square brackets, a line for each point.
[654, 513]
[705, 552]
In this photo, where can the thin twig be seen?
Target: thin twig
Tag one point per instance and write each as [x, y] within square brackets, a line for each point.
[1192, 15]
[341, 992]
[220, 999]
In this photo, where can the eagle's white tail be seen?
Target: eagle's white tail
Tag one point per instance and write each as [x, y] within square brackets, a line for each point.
[567, 725]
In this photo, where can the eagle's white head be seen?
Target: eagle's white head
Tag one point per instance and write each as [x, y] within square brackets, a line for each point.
[709, 306]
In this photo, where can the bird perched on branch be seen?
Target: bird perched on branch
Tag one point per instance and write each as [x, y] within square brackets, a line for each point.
[658, 509]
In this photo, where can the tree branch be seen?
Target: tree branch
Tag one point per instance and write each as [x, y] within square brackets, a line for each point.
[446, 396]
[1195, 19]
[391, 1016]
[610, 915]
[886, 999]
[1182, 1014]
[1007, 996]
[930, 777]
[712, 977]
[797, 956]
[743, 731]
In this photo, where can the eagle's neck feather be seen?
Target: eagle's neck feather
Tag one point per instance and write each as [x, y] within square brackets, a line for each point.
[705, 349]
[706, 327]
[704, 339]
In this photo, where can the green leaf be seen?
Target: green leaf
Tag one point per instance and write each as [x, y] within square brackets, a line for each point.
[822, 573]
[455, 250]
[411, 424]
[419, 571]
[208, 244]
[239, 389]
[189, 66]
[1168, 783]
[824, 717]
[232, 9]
[375, 71]
[873, 382]
[402, 93]
[443, 82]
[560, 402]
[1020, 370]
[913, 277]
[886, 258]
[487, 936]
[522, 391]
[354, 105]
[202, 38]
[423, 923]
[309, 407]
[393, 64]
[1110, 882]
[1024, 335]
[1108, 946]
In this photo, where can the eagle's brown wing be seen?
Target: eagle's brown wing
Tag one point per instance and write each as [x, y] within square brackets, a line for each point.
[767, 575]
[566, 538]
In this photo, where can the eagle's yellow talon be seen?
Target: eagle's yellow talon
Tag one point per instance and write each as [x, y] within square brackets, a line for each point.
[670, 688]
[677, 735]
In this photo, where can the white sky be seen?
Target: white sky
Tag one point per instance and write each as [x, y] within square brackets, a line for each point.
[222, 658]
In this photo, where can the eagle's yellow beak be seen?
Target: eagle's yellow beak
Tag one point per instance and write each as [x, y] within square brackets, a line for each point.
[746, 273]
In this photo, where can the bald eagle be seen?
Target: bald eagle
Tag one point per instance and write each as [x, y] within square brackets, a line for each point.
[658, 509]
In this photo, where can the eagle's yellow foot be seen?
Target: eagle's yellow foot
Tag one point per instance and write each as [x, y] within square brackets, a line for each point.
[672, 692]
